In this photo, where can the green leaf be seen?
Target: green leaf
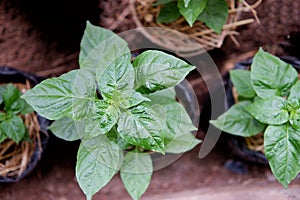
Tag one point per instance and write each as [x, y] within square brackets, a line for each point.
[271, 76]
[65, 129]
[53, 98]
[14, 128]
[156, 70]
[162, 97]
[26, 109]
[83, 95]
[215, 15]
[3, 116]
[136, 173]
[106, 117]
[238, 121]
[186, 3]
[128, 98]
[242, 82]
[100, 48]
[141, 127]
[295, 119]
[118, 75]
[98, 160]
[2, 89]
[295, 91]
[269, 111]
[10, 96]
[3, 136]
[182, 143]
[282, 149]
[160, 2]
[114, 136]
[168, 13]
[192, 11]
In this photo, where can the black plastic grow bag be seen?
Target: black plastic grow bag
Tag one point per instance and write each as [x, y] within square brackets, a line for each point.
[11, 75]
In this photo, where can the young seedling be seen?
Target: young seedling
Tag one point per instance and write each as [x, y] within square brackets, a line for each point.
[122, 111]
[269, 102]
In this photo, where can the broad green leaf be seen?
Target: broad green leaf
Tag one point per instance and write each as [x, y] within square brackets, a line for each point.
[84, 95]
[182, 143]
[156, 70]
[100, 48]
[193, 10]
[140, 126]
[14, 128]
[295, 119]
[269, 111]
[162, 96]
[160, 2]
[238, 121]
[136, 173]
[10, 96]
[65, 129]
[271, 76]
[282, 149]
[53, 98]
[242, 82]
[168, 13]
[128, 98]
[215, 14]
[119, 75]
[295, 92]
[2, 136]
[98, 160]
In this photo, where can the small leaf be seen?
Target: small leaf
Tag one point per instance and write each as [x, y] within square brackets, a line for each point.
[192, 11]
[282, 149]
[182, 143]
[156, 70]
[269, 111]
[215, 15]
[2, 89]
[136, 173]
[100, 48]
[65, 129]
[242, 82]
[98, 160]
[295, 119]
[141, 127]
[3, 116]
[2, 136]
[128, 98]
[14, 128]
[10, 96]
[53, 98]
[271, 76]
[162, 97]
[168, 13]
[295, 92]
[238, 121]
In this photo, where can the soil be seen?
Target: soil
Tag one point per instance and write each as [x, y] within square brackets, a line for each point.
[46, 43]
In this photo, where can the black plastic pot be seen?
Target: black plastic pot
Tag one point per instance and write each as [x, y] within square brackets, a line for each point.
[11, 75]
[236, 143]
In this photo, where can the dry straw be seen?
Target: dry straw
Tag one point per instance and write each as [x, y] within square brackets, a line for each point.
[183, 39]
[15, 158]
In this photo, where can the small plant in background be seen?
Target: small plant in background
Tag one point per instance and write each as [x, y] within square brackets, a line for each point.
[11, 107]
[122, 111]
[269, 102]
[213, 13]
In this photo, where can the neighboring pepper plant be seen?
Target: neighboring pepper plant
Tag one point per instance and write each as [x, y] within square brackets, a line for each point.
[213, 13]
[11, 107]
[269, 102]
[121, 110]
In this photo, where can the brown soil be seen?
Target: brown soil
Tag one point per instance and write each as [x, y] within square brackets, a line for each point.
[46, 43]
